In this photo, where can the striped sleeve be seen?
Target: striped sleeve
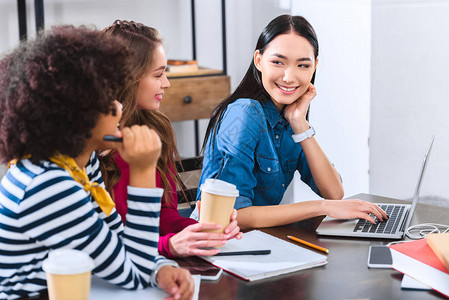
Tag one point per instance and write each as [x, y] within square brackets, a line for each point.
[114, 221]
[93, 169]
[54, 211]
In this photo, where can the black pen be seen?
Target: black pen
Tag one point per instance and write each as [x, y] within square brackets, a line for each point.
[250, 252]
[112, 138]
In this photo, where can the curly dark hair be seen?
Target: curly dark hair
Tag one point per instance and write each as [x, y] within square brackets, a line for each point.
[54, 88]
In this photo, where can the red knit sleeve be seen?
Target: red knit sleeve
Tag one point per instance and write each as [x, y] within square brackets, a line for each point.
[163, 246]
[171, 221]
[121, 188]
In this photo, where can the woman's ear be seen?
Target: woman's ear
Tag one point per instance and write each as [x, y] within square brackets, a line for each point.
[316, 63]
[257, 59]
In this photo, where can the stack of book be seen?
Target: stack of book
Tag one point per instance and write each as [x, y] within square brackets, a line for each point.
[440, 246]
[182, 66]
[425, 260]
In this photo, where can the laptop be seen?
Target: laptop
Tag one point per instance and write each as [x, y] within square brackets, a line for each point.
[400, 216]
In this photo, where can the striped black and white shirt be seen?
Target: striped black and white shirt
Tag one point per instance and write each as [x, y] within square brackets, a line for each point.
[43, 208]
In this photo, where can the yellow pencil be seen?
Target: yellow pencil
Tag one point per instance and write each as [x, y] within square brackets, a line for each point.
[308, 244]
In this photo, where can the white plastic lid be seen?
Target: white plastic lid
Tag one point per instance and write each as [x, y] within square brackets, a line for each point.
[219, 187]
[67, 262]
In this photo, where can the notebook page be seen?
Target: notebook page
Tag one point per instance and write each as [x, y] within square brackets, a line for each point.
[285, 257]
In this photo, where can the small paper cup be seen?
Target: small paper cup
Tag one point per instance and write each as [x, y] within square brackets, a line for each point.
[68, 274]
[217, 202]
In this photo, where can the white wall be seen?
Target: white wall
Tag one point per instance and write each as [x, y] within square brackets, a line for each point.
[340, 112]
[101, 13]
[9, 22]
[382, 74]
[410, 96]
[338, 96]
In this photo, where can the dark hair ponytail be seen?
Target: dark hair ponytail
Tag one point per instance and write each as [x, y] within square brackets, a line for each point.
[251, 84]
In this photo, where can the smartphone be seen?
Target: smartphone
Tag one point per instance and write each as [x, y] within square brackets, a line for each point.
[206, 272]
[379, 257]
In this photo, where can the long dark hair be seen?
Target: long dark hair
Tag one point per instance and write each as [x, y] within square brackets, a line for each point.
[142, 40]
[251, 85]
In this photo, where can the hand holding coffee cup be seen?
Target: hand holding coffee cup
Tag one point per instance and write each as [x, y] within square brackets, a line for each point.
[217, 202]
[68, 274]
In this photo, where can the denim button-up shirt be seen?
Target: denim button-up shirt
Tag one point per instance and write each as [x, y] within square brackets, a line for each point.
[254, 150]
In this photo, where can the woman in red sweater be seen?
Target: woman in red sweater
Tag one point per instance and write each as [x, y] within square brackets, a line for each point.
[140, 99]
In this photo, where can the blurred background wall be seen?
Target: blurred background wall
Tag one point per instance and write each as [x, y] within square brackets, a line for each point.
[381, 77]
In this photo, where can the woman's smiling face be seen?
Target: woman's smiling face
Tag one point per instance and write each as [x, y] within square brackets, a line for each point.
[154, 82]
[287, 66]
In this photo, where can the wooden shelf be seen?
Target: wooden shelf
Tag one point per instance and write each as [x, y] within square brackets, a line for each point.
[201, 72]
[193, 98]
[194, 95]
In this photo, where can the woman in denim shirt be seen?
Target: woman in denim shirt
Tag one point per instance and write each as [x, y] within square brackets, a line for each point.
[259, 136]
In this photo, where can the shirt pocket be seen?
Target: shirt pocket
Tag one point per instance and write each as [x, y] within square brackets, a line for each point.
[267, 172]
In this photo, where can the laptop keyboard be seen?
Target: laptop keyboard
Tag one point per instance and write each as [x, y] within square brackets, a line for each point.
[394, 213]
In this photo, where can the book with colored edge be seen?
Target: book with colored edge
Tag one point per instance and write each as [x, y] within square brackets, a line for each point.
[417, 260]
[408, 283]
[182, 66]
[439, 243]
[285, 257]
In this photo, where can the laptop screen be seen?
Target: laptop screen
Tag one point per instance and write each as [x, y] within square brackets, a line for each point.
[418, 185]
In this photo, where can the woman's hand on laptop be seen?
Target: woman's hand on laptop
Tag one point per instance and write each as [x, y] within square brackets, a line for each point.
[354, 208]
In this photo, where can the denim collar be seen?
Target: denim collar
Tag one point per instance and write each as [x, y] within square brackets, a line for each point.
[272, 113]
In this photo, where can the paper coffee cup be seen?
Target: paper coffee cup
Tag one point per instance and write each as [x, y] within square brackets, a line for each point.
[217, 202]
[68, 274]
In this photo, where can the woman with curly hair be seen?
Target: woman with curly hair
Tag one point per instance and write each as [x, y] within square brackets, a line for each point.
[57, 103]
[141, 98]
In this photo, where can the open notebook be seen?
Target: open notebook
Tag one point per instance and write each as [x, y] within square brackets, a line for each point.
[285, 257]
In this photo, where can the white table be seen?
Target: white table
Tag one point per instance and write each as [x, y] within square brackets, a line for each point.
[101, 289]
